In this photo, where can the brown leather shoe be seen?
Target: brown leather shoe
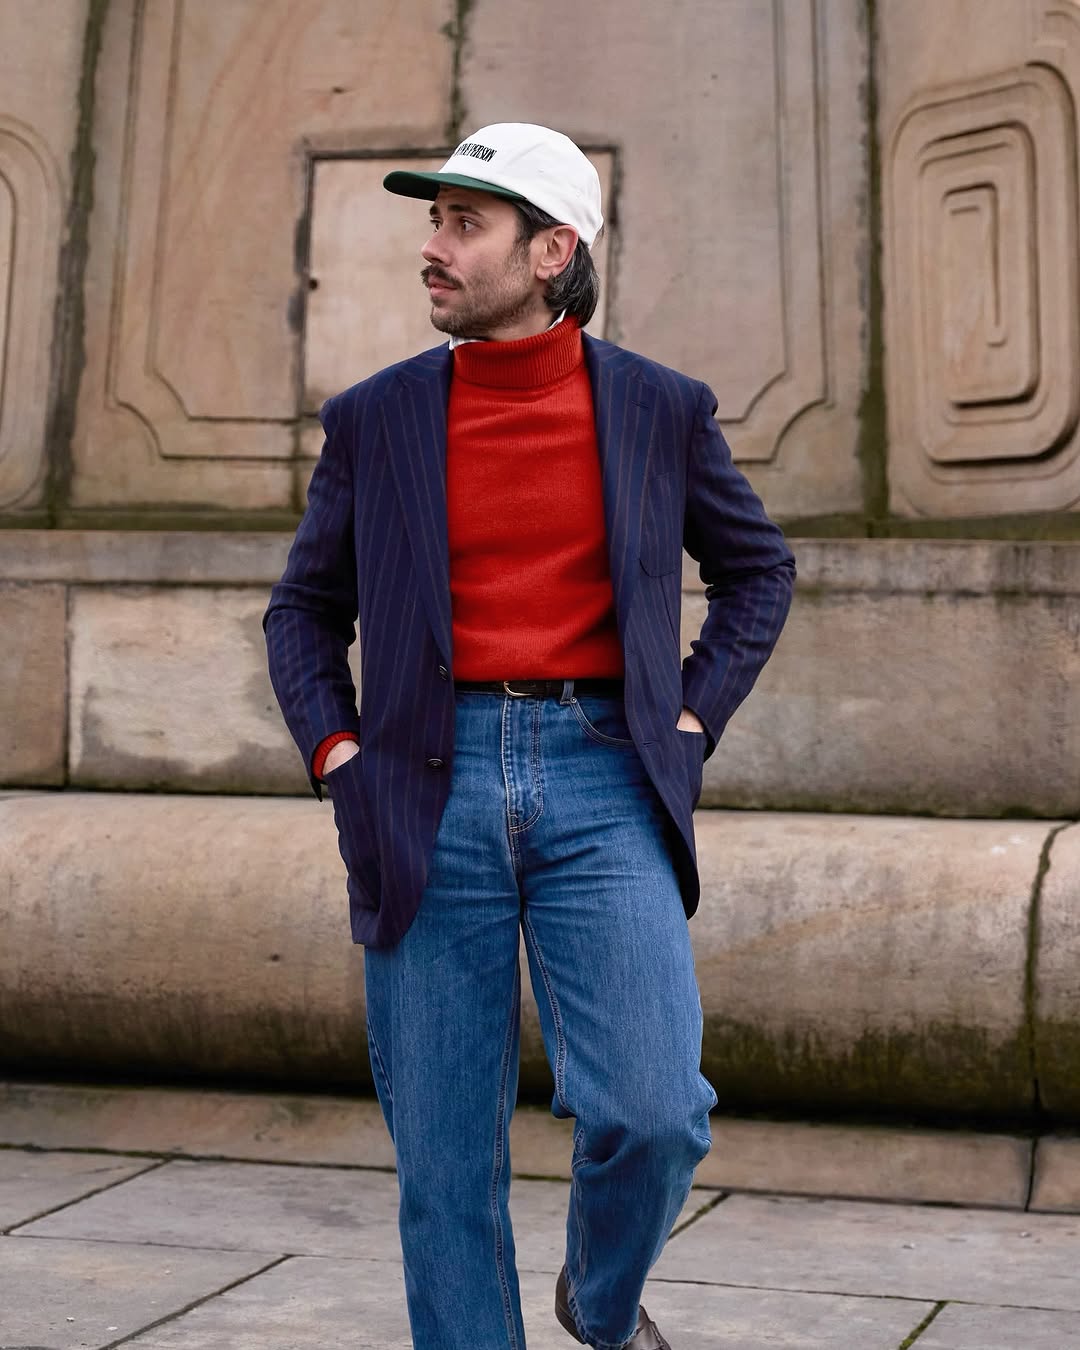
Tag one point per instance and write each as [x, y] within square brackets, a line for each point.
[646, 1336]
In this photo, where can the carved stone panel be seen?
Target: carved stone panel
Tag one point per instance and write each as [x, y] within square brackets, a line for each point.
[983, 331]
[40, 52]
[740, 236]
[30, 211]
[366, 308]
[193, 387]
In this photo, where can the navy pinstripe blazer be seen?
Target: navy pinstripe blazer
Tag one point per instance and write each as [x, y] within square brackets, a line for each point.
[373, 546]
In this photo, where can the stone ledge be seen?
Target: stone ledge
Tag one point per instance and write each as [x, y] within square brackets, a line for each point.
[257, 558]
[144, 557]
[794, 1158]
[845, 963]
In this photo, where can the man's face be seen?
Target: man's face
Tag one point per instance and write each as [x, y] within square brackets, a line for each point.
[481, 278]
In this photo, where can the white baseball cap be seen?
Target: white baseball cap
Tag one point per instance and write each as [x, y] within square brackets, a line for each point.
[524, 163]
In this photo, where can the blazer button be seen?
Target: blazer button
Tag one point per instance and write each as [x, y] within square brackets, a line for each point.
[435, 762]
[444, 674]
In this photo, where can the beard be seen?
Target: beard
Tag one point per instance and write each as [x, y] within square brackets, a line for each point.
[493, 299]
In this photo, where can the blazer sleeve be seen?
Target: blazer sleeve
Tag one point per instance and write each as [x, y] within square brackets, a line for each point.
[748, 571]
[310, 621]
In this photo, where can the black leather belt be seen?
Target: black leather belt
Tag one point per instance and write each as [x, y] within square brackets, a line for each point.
[542, 688]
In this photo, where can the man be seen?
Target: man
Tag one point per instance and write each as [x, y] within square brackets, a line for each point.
[506, 516]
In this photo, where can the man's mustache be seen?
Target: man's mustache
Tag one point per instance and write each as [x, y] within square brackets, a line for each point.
[437, 274]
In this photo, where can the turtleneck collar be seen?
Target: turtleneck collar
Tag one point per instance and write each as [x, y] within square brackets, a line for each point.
[525, 363]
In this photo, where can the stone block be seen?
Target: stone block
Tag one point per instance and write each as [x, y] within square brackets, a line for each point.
[169, 689]
[739, 203]
[929, 678]
[207, 934]
[33, 684]
[868, 1162]
[1057, 981]
[1056, 1185]
[194, 333]
[866, 962]
[41, 55]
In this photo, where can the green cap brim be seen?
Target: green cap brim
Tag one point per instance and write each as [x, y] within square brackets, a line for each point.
[426, 185]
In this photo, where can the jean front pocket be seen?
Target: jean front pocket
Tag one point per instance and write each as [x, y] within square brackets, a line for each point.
[603, 720]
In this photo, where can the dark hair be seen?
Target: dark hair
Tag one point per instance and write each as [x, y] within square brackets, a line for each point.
[577, 287]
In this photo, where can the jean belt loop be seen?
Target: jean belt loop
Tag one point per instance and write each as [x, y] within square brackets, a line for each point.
[567, 691]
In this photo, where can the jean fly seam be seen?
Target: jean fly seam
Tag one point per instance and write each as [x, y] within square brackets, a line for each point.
[508, 782]
[499, 1162]
[534, 768]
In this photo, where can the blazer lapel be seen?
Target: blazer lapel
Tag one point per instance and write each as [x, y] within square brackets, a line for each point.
[415, 426]
[625, 408]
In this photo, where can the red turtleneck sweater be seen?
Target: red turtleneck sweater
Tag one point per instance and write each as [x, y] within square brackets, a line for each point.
[530, 584]
[529, 579]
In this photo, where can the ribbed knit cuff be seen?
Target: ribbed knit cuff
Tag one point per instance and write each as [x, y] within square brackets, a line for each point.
[324, 747]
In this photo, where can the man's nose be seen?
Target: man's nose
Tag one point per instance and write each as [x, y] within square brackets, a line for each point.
[433, 251]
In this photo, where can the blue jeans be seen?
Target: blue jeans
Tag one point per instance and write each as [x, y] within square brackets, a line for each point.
[553, 829]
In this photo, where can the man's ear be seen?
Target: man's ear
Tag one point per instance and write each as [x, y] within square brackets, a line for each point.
[558, 250]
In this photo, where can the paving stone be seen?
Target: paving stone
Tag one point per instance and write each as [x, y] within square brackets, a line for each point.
[975, 1256]
[967, 1328]
[762, 1319]
[31, 1183]
[236, 1206]
[307, 1303]
[108, 1290]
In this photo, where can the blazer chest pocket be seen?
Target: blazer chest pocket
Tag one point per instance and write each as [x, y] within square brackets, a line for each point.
[662, 524]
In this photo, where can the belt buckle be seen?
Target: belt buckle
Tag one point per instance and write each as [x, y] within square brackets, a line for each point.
[511, 692]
